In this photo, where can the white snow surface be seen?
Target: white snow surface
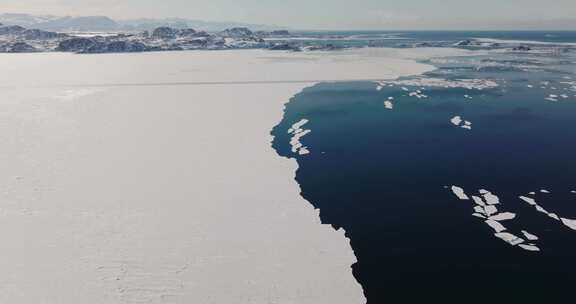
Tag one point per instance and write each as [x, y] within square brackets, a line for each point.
[162, 185]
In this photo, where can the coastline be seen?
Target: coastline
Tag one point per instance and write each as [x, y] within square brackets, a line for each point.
[169, 193]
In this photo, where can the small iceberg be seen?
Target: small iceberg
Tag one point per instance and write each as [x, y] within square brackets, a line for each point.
[459, 192]
[297, 134]
[504, 216]
[509, 238]
[495, 225]
[459, 122]
[529, 236]
[529, 247]
[569, 223]
[388, 103]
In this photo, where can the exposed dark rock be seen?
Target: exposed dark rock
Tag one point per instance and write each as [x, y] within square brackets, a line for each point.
[522, 48]
[466, 42]
[187, 32]
[164, 32]
[17, 47]
[11, 30]
[120, 46]
[77, 44]
[237, 32]
[284, 47]
[41, 35]
[280, 33]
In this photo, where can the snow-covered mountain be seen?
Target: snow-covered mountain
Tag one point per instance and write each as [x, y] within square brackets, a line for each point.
[103, 23]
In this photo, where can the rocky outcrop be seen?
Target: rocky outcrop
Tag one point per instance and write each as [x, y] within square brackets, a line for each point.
[28, 34]
[17, 47]
[76, 45]
[522, 48]
[11, 30]
[117, 47]
[161, 39]
[164, 32]
[237, 32]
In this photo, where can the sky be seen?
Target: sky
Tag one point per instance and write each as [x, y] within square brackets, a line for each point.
[327, 14]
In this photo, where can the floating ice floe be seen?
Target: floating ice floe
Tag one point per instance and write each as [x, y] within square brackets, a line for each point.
[467, 96]
[570, 223]
[552, 97]
[529, 236]
[530, 86]
[495, 225]
[388, 104]
[297, 133]
[485, 208]
[459, 192]
[456, 120]
[490, 198]
[544, 191]
[509, 238]
[418, 94]
[459, 122]
[504, 216]
[471, 84]
[529, 247]
[529, 200]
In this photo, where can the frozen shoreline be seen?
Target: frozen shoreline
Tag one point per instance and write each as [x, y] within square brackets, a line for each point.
[167, 193]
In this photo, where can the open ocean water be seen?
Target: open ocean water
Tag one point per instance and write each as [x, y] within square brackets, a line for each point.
[456, 186]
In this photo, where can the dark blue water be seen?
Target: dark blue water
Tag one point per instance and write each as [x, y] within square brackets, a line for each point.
[382, 174]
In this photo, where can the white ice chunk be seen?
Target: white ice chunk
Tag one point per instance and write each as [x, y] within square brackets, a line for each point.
[495, 225]
[554, 216]
[479, 209]
[490, 198]
[298, 133]
[388, 104]
[509, 238]
[490, 209]
[459, 192]
[300, 124]
[529, 200]
[540, 209]
[479, 215]
[456, 120]
[529, 236]
[504, 216]
[569, 223]
[544, 191]
[478, 200]
[529, 247]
